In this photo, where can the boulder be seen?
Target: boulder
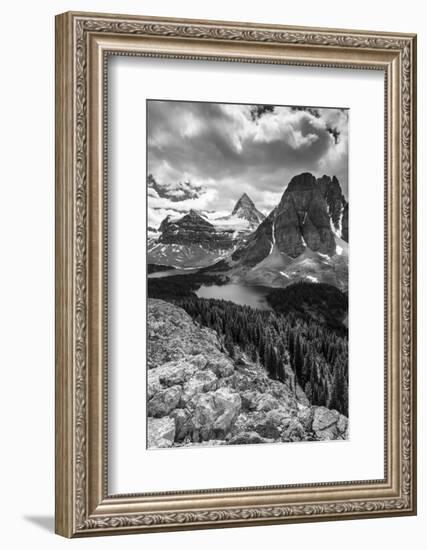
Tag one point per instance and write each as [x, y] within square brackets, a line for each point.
[305, 416]
[324, 418]
[293, 431]
[164, 401]
[199, 361]
[268, 425]
[221, 366]
[183, 424]
[153, 383]
[175, 373]
[267, 403]
[228, 404]
[160, 432]
[325, 423]
[202, 381]
[203, 417]
[342, 425]
[249, 400]
[214, 413]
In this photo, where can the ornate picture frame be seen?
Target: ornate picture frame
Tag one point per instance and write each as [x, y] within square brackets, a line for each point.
[84, 42]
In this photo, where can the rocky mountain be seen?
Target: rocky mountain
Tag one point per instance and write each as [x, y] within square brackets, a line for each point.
[197, 394]
[246, 209]
[304, 237]
[189, 241]
[337, 206]
[194, 229]
[198, 239]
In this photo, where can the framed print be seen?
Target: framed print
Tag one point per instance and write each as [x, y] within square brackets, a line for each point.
[235, 274]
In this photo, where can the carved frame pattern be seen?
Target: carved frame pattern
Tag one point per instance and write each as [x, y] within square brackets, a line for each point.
[75, 513]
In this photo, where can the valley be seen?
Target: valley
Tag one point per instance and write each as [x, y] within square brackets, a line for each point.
[304, 238]
[273, 290]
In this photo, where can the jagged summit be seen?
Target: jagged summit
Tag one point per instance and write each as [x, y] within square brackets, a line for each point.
[246, 209]
[197, 238]
[303, 236]
[337, 205]
[244, 201]
[195, 215]
[302, 182]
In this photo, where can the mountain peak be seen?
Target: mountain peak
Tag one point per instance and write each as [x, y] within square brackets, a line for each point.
[246, 197]
[244, 201]
[337, 205]
[302, 182]
[195, 217]
[246, 209]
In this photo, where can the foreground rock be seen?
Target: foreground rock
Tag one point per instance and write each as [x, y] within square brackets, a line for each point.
[161, 432]
[197, 395]
[329, 424]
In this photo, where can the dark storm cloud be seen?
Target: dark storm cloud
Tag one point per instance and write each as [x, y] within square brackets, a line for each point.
[335, 133]
[231, 149]
[312, 110]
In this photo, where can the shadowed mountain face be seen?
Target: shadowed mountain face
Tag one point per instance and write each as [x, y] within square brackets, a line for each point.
[246, 209]
[337, 205]
[302, 219]
[304, 238]
[193, 229]
[344, 231]
[331, 191]
[198, 239]
[311, 213]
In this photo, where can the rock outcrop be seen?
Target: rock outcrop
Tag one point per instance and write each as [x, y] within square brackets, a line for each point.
[344, 229]
[336, 204]
[303, 238]
[160, 432]
[246, 209]
[197, 394]
[305, 217]
[199, 239]
[194, 229]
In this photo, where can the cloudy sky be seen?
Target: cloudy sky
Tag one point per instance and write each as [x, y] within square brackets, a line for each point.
[205, 155]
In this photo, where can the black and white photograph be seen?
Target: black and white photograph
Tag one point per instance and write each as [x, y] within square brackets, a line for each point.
[247, 274]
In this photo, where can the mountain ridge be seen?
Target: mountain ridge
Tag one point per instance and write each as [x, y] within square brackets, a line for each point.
[304, 237]
[182, 240]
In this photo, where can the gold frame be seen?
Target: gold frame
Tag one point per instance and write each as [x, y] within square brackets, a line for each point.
[83, 41]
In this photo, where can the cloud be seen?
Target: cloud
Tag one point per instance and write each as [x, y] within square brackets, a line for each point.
[224, 150]
[175, 191]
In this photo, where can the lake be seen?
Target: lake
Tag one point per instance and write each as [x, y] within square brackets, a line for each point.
[253, 296]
